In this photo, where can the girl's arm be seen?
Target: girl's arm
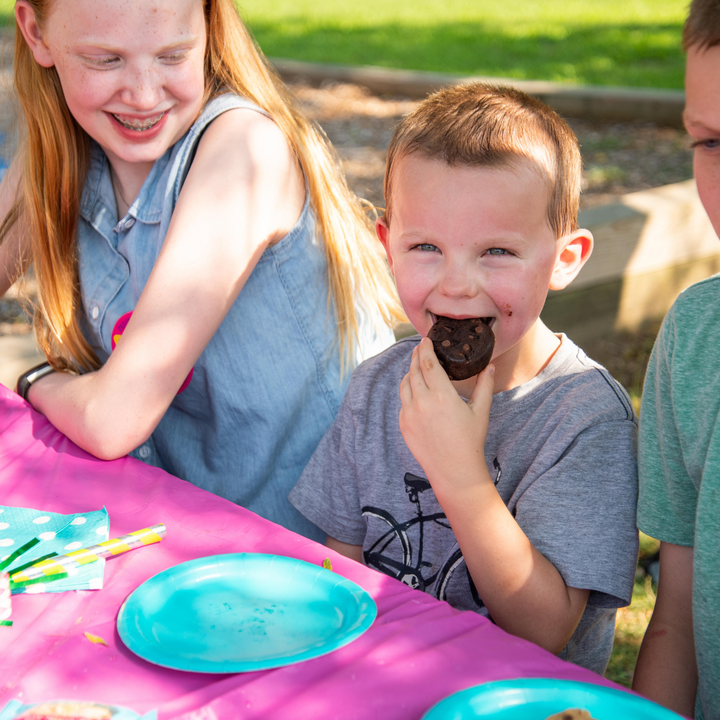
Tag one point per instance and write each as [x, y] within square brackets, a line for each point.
[243, 193]
[15, 251]
[522, 590]
[666, 670]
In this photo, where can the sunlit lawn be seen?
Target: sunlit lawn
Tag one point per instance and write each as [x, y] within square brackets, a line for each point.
[603, 42]
[607, 42]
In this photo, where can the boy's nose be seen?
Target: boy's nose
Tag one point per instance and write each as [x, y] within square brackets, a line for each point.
[457, 283]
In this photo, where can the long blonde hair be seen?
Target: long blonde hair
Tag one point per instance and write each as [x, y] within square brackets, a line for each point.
[54, 160]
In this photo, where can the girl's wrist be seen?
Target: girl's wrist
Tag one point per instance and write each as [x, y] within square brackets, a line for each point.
[25, 381]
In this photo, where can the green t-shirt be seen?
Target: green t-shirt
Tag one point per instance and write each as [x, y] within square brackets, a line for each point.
[679, 462]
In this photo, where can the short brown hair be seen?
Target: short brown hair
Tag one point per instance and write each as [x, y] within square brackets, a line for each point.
[702, 27]
[491, 126]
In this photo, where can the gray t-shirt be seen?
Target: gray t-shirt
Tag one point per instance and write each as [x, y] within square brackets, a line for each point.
[561, 449]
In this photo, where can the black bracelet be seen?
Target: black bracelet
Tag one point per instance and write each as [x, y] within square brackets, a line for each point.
[30, 376]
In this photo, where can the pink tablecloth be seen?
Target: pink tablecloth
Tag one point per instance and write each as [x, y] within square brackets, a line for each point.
[418, 651]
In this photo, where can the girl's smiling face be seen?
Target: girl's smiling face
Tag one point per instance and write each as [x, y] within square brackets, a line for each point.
[472, 242]
[132, 71]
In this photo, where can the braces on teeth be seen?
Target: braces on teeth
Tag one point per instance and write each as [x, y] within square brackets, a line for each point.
[139, 124]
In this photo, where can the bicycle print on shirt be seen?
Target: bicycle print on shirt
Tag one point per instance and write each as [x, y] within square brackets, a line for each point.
[421, 551]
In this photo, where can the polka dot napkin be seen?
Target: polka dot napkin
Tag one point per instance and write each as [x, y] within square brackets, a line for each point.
[59, 534]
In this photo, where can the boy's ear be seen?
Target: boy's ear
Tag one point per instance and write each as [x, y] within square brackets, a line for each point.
[27, 22]
[574, 251]
[383, 232]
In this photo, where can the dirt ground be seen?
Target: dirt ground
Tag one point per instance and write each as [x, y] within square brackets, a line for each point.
[618, 158]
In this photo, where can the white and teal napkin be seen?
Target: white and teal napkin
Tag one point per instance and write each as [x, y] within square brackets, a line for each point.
[59, 534]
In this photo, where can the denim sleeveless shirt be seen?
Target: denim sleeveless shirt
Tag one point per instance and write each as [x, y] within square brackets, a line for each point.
[268, 383]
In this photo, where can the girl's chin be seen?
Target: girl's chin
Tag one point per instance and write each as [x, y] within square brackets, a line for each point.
[120, 151]
[119, 158]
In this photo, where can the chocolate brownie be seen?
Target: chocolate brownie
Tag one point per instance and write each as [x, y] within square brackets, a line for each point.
[463, 347]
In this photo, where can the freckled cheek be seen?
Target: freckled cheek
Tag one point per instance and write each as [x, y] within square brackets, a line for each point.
[707, 176]
[85, 94]
[188, 86]
[185, 79]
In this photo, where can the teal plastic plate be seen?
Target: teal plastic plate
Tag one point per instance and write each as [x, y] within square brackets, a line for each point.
[536, 698]
[241, 612]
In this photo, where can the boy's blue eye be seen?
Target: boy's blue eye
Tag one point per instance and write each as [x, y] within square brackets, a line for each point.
[497, 251]
[709, 144]
[426, 247]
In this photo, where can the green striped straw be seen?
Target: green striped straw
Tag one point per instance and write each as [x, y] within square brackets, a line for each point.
[29, 545]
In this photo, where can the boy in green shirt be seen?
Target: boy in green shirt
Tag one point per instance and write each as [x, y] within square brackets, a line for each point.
[679, 454]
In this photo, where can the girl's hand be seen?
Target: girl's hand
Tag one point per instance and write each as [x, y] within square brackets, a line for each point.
[444, 433]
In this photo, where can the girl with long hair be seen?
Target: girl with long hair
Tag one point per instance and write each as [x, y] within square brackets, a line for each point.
[189, 230]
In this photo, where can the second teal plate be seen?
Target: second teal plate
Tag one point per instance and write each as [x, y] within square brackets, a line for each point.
[536, 698]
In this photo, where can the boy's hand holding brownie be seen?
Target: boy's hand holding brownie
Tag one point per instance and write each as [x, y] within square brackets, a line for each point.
[444, 433]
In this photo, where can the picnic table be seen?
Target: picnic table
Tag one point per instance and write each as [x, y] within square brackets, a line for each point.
[417, 651]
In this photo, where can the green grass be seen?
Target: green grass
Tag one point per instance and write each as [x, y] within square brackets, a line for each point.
[604, 42]
[6, 11]
[632, 621]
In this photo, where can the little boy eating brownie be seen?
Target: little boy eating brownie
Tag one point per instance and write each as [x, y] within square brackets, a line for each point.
[511, 493]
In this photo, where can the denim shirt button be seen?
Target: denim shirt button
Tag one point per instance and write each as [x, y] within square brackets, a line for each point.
[129, 222]
[95, 312]
[144, 452]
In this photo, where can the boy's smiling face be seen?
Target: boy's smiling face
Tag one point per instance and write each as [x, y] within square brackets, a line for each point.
[702, 120]
[475, 242]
